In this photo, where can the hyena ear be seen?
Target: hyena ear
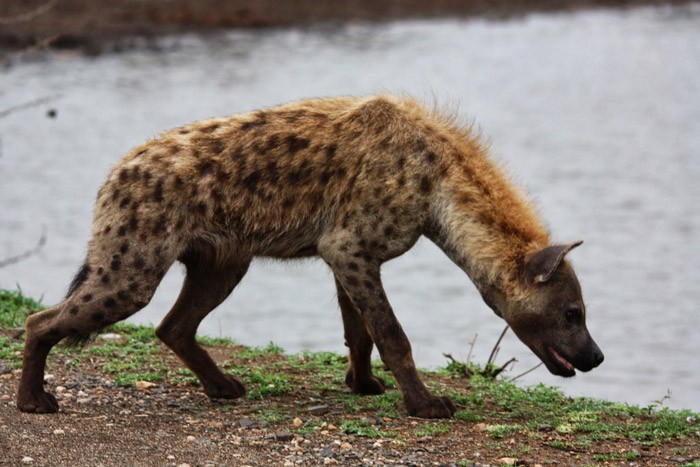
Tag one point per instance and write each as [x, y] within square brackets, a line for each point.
[540, 266]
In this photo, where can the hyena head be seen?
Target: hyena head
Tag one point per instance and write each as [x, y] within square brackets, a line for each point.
[550, 317]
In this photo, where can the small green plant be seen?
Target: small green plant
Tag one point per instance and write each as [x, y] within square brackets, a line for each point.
[432, 430]
[268, 384]
[362, 428]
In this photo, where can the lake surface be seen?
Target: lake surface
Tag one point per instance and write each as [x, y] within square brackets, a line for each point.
[596, 113]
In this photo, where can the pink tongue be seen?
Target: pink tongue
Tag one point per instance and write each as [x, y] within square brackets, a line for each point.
[561, 359]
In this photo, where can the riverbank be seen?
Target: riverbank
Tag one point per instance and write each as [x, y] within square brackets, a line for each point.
[126, 400]
[103, 26]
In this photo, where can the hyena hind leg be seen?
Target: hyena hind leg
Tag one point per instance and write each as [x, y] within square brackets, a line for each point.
[95, 303]
[205, 287]
[359, 377]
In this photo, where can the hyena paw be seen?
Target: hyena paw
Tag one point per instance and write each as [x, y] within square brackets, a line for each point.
[432, 407]
[366, 386]
[37, 402]
[230, 388]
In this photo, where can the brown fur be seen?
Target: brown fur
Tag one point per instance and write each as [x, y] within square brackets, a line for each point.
[355, 181]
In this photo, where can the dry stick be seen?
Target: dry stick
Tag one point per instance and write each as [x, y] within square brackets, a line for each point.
[26, 254]
[528, 371]
[471, 348]
[494, 352]
[26, 105]
[30, 15]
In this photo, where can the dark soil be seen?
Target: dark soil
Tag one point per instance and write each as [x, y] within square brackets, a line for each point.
[95, 26]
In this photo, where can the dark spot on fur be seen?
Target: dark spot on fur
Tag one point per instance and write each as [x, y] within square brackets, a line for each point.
[341, 172]
[115, 194]
[212, 127]
[107, 229]
[369, 284]
[133, 286]
[287, 203]
[389, 230]
[352, 280]
[250, 182]
[261, 121]
[205, 168]
[296, 144]
[430, 157]
[73, 310]
[158, 192]
[331, 150]
[147, 176]
[122, 295]
[401, 162]
[122, 231]
[110, 302]
[116, 265]
[100, 270]
[124, 248]
[325, 177]
[425, 185]
[139, 264]
[200, 207]
[98, 316]
[272, 143]
[105, 279]
[123, 175]
[353, 265]
[159, 226]
[420, 145]
[87, 297]
[125, 202]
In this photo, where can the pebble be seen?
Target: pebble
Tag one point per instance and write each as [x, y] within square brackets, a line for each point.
[144, 384]
[245, 423]
[27, 460]
[110, 336]
[319, 409]
[191, 438]
[507, 461]
[345, 446]
[58, 431]
[297, 422]
[170, 457]
[284, 435]
[60, 389]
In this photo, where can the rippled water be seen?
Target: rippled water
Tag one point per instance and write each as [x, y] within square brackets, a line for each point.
[597, 114]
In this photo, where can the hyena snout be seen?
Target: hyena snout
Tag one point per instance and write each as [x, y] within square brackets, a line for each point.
[589, 357]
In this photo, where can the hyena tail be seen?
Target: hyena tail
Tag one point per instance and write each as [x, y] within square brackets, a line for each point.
[79, 279]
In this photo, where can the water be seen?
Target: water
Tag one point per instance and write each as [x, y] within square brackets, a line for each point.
[597, 114]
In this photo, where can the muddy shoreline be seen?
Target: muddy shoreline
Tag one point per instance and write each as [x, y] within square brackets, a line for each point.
[102, 26]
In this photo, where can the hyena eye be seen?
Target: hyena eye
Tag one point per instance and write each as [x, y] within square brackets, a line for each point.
[574, 315]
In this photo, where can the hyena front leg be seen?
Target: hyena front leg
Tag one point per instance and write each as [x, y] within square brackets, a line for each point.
[361, 280]
[359, 376]
[205, 287]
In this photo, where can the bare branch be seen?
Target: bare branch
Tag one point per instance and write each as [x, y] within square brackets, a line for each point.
[28, 253]
[30, 15]
[526, 372]
[27, 105]
[494, 352]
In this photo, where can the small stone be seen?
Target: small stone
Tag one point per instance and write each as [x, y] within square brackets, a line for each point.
[480, 427]
[110, 336]
[245, 423]
[144, 384]
[332, 427]
[288, 463]
[83, 400]
[377, 445]
[170, 457]
[5, 370]
[81, 394]
[319, 409]
[58, 431]
[183, 465]
[217, 425]
[345, 446]
[326, 452]
[328, 461]
[284, 435]
[191, 438]
[60, 389]
[47, 379]
[545, 427]
[27, 460]
[507, 461]
[5, 397]
[297, 422]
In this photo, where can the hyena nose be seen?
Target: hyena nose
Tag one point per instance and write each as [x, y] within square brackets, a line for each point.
[598, 358]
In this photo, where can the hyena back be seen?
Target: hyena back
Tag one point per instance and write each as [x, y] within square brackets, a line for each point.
[355, 181]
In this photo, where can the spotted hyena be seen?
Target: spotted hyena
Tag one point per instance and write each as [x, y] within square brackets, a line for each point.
[355, 181]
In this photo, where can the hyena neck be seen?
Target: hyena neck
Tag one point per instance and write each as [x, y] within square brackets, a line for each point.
[484, 223]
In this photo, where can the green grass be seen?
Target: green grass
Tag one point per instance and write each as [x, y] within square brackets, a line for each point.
[505, 408]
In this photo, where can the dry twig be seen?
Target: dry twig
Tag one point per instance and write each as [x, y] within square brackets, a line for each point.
[30, 15]
[28, 253]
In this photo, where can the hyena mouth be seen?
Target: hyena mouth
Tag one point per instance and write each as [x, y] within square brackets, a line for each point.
[564, 364]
